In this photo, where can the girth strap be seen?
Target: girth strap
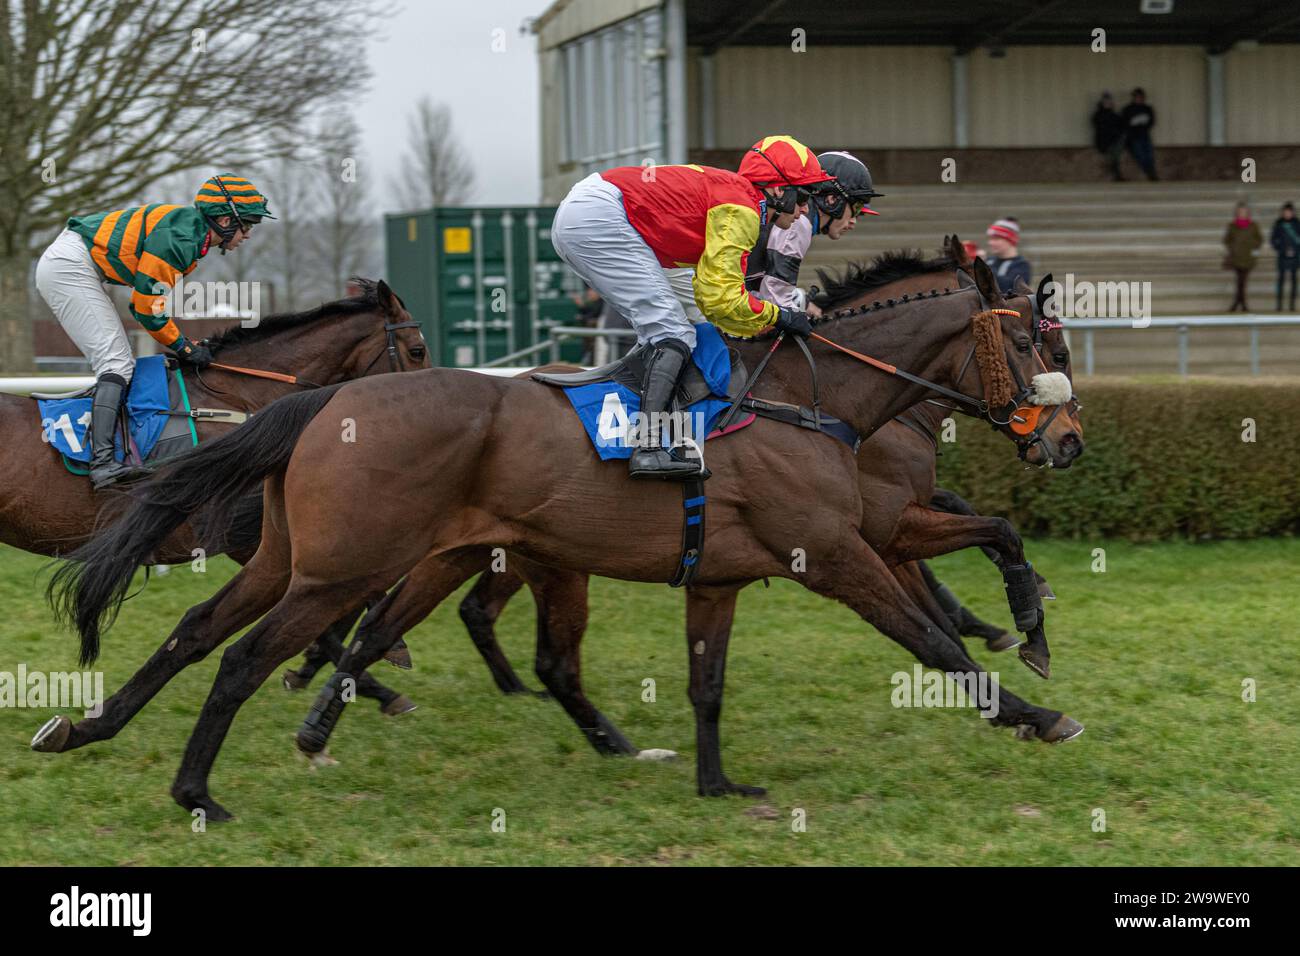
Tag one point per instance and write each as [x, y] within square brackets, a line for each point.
[692, 533]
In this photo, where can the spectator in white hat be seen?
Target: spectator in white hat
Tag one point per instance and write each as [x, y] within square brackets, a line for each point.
[1004, 256]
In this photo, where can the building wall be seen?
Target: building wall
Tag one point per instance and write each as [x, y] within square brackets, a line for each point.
[892, 96]
[1263, 87]
[568, 19]
[1044, 96]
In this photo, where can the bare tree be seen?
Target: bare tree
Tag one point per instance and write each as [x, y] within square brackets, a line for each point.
[436, 168]
[345, 232]
[100, 98]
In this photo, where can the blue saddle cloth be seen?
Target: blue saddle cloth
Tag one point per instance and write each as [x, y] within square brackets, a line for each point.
[607, 409]
[66, 421]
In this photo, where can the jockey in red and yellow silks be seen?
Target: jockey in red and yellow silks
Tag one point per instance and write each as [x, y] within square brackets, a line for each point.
[625, 231]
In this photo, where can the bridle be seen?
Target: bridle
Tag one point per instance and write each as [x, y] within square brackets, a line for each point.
[1021, 416]
[394, 357]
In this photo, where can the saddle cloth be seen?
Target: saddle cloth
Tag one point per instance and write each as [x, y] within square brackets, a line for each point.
[607, 399]
[157, 408]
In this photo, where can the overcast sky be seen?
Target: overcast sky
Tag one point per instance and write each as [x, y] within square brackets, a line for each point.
[443, 48]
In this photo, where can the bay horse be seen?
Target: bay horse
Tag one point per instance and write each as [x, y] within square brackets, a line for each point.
[46, 509]
[449, 464]
[901, 503]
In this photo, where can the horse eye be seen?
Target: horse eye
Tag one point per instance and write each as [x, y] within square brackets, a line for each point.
[1062, 358]
[417, 352]
[1022, 346]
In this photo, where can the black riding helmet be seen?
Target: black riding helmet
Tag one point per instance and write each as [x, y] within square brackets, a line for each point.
[852, 184]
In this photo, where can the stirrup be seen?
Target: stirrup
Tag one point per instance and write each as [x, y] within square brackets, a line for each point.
[661, 463]
[108, 475]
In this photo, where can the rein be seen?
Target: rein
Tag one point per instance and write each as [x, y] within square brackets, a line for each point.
[390, 347]
[1024, 419]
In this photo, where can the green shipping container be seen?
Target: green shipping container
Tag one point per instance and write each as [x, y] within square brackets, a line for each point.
[482, 281]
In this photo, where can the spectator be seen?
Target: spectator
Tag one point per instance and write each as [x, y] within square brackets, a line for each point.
[1139, 120]
[1242, 240]
[1005, 259]
[1108, 134]
[1285, 241]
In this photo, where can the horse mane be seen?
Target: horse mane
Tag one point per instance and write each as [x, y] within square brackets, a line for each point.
[858, 277]
[272, 325]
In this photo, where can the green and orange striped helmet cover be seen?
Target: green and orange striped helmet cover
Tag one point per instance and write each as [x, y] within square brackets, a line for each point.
[211, 201]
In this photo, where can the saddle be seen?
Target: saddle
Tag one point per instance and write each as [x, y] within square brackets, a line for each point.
[629, 371]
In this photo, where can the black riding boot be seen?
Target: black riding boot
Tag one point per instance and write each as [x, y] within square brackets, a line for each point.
[104, 468]
[652, 460]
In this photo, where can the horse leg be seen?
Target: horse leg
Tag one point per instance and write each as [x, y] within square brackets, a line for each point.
[877, 597]
[326, 649]
[480, 610]
[423, 589]
[561, 598]
[245, 598]
[967, 624]
[330, 646]
[913, 583]
[925, 533]
[295, 621]
[709, 613]
[955, 504]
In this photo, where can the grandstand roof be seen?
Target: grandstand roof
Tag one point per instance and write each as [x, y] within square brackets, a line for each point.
[968, 26]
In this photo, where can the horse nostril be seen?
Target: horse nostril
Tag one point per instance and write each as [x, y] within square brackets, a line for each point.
[1072, 443]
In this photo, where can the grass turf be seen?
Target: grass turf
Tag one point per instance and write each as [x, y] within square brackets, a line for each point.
[1150, 656]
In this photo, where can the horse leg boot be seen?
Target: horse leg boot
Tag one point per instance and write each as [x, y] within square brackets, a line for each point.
[104, 467]
[245, 598]
[709, 613]
[651, 459]
[423, 589]
[561, 598]
[955, 504]
[856, 576]
[479, 611]
[967, 624]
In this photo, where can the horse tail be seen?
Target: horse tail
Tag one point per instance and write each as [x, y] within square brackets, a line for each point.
[90, 585]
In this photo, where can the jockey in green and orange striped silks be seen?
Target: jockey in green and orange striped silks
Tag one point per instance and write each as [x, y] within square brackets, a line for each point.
[146, 248]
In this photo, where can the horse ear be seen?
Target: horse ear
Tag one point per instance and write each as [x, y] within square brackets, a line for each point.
[387, 300]
[956, 251]
[987, 285]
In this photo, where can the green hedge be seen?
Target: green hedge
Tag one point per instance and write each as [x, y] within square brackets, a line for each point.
[1164, 458]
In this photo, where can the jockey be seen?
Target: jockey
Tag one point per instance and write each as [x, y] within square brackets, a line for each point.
[834, 211]
[146, 248]
[635, 233]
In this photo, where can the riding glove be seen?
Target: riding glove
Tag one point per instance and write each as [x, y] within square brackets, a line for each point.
[789, 320]
[187, 351]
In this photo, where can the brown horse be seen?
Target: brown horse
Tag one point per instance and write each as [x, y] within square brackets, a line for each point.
[46, 509]
[897, 477]
[512, 467]
[897, 481]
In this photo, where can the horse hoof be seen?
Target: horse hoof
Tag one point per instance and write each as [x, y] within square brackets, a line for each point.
[292, 681]
[1066, 728]
[52, 735]
[656, 753]
[1038, 663]
[726, 787]
[1003, 642]
[1045, 591]
[207, 809]
[322, 759]
[400, 657]
[401, 704]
